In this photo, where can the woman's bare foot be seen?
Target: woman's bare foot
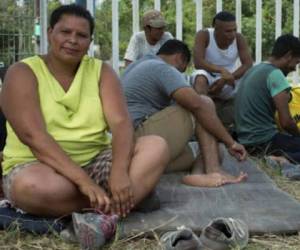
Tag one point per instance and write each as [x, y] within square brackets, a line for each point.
[213, 179]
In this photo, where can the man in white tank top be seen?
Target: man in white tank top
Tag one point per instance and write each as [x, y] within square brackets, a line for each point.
[217, 51]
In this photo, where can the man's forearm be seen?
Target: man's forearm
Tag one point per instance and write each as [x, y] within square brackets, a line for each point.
[202, 64]
[210, 122]
[216, 87]
[240, 71]
[292, 129]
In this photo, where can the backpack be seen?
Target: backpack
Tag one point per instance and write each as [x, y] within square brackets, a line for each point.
[294, 106]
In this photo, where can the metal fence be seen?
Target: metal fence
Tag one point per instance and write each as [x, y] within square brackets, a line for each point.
[17, 25]
[16, 30]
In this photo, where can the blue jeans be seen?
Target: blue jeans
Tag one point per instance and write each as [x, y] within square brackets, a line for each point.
[284, 144]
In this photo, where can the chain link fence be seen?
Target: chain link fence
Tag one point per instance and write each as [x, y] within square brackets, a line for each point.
[16, 31]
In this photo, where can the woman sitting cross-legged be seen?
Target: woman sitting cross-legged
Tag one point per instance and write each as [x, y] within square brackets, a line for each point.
[59, 157]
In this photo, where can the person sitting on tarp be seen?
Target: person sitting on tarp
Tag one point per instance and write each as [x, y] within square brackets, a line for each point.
[217, 53]
[59, 157]
[151, 86]
[150, 40]
[263, 91]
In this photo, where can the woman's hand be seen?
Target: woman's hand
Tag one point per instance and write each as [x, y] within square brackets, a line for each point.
[96, 195]
[122, 193]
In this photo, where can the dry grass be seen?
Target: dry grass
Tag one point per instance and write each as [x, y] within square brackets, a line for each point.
[13, 239]
[275, 242]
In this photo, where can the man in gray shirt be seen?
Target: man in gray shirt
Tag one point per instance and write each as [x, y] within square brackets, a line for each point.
[152, 86]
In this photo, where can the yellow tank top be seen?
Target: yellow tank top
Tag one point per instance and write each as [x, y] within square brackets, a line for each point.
[74, 118]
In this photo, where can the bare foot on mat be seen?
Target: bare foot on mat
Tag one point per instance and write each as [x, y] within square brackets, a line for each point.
[213, 179]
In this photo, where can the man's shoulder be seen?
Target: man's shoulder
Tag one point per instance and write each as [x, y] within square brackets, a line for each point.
[270, 73]
[205, 31]
[241, 43]
[203, 35]
[276, 73]
[240, 37]
[148, 58]
[258, 70]
[167, 35]
[142, 64]
[139, 36]
[265, 66]
[159, 67]
[154, 61]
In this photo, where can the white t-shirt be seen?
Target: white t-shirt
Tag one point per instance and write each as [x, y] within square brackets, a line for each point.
[138, 45]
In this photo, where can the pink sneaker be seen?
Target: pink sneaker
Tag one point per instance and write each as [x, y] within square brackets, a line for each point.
[94, 229]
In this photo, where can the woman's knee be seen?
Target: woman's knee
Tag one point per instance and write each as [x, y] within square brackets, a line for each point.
[27, 186]
[38, 188]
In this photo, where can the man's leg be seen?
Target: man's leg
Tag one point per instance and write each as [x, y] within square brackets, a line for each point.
[224, 108]
[182, 162]
[286, 145]
[177, 137]
[175, 125]
[225, 111]
[201, 84]
[213, 174]
[209, 149]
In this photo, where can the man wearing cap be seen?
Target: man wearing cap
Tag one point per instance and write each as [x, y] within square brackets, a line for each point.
[150, 40]
[216, 53]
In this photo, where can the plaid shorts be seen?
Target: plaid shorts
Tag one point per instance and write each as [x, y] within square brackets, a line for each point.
[98, 169]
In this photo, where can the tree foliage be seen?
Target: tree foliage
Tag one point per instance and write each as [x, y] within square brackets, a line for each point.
[168, 8]
[15, 30]
[11, 30]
